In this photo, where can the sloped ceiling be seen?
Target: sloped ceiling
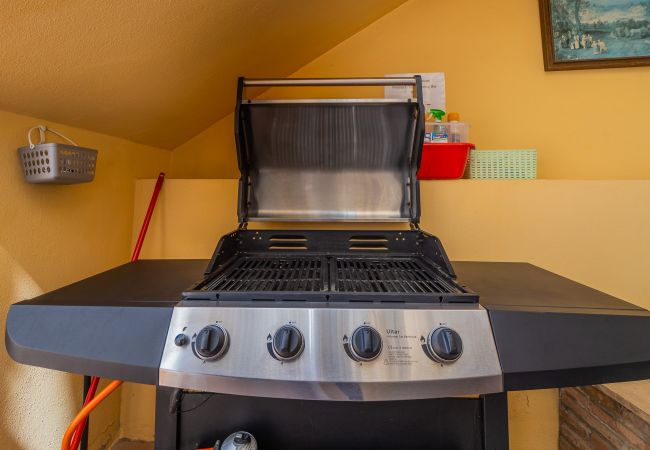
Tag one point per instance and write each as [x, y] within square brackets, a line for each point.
[158, 72]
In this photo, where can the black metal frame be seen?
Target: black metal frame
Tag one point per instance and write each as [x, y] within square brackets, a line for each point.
[381, 248]
[494, 415]
[83, 445]
[242, 192]
[187, 420]
[417, 151]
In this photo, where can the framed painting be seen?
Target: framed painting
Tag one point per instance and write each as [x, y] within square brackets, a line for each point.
[594, 34]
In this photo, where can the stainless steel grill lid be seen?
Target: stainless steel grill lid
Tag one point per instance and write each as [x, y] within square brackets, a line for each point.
[329, 159]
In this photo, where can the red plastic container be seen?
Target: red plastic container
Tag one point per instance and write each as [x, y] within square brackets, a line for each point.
[444, 161]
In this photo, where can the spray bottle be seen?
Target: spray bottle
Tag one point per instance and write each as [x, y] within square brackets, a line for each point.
[434, 130]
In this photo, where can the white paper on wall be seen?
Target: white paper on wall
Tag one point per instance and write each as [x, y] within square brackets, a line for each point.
[433, 89]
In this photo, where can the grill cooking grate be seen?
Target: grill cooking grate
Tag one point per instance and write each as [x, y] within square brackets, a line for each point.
[402, 275]
[264, 274]
[329, 278]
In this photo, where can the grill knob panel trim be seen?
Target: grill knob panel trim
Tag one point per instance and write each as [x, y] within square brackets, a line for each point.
[328, 369]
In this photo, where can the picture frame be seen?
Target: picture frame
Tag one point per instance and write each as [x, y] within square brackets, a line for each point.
[611, 41]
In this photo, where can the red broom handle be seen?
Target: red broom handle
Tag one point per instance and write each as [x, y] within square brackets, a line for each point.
[76, 438]
[147, 217]
[136, 254]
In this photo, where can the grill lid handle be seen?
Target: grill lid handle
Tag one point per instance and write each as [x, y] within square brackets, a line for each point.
[384, 81]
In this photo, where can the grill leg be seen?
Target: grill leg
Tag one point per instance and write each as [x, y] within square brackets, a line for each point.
[83, 445]
[495, 421]
[167, 403]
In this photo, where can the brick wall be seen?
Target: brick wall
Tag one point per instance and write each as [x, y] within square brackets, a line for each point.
[591, 418]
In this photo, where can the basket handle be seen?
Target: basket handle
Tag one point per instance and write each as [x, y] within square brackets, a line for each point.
[42, 129]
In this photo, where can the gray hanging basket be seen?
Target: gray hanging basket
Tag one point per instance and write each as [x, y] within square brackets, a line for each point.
[56, 163]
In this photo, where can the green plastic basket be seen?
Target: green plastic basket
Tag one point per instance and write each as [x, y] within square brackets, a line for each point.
[502, 164]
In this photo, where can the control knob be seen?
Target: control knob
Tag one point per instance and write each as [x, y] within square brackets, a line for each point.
[444, 345]
[288, 343]
[211, 342]
[366, 343]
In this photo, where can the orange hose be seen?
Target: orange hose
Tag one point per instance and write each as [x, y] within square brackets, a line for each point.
[80, 419]
[85, 411]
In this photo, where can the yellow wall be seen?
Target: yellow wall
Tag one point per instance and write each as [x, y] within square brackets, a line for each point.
[51, 236]
[595, 232]
[158, 72]
[585, 124]
[210, 154]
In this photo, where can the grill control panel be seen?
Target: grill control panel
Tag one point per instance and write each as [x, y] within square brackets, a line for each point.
[332, 354]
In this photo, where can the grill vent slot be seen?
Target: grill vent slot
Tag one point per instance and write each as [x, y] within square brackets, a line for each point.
[368, 246]
[288, 242]
[288, 238]
[288, 246]
[374, 239]
[368, 243]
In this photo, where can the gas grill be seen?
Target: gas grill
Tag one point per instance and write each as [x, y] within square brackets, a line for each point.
[345, 315]
[332, 338]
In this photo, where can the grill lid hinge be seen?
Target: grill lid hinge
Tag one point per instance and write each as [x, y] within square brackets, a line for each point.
[243, 226]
